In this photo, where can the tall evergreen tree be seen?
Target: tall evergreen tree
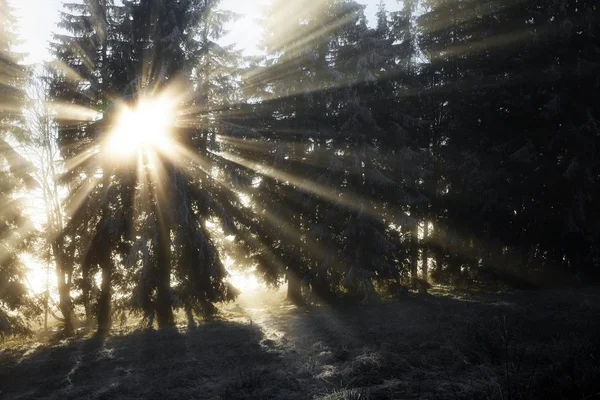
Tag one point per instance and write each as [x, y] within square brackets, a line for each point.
[326, 88]
[497, 73]
[141, 227]
[15, 228]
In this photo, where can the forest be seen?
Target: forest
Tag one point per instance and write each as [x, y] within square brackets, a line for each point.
[413, 198]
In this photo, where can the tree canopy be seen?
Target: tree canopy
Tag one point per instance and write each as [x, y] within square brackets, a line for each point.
[452, 141]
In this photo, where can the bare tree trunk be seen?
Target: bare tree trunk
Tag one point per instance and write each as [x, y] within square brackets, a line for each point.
[44, 149]
[47, 294]
[54, 218]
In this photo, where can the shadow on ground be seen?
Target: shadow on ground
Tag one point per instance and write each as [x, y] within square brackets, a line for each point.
[523, 345]
[218, 360]
[526, 345]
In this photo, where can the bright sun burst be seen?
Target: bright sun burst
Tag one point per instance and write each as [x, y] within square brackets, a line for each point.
[147, 126]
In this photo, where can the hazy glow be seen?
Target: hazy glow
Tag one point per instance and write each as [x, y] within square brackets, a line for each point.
[331, 194]
[38, 275]
[144, 127]
[245, 282]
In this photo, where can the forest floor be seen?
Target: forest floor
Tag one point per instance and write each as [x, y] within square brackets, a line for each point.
[524, 345]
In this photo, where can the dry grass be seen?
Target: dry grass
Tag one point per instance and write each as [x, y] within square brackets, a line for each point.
[526, 345]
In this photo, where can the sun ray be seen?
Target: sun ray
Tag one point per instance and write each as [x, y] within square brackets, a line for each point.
[79, 159]
[468, 12]
[283, 226]
[80, 195]
[142, 199]
[183, 158]
[72, 112]
[302, 42]
[334, 196]
[13, 240]
[489, 43]
[291, 12]
[60, 66]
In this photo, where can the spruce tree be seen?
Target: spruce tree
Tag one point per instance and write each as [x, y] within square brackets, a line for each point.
[499, 75]
[154, 226]
[327, 182]
[15, 228]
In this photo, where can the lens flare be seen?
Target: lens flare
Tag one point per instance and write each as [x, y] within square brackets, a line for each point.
[147, 126]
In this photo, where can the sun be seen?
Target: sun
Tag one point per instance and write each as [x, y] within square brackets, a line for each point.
[146, 126]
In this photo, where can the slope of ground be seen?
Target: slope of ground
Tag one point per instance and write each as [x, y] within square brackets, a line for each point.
[528, 345]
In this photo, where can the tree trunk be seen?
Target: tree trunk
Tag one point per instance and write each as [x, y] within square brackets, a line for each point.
[294, 290]
[439, 261]
[320, 287]
[440, 246]
[64, 291]
[414, 244]
[104, 301]
[164, 309]
[46, 297]
[189, 313]
[47, 294]
[104, 317]
[163, 202]
[66, 307]
[54, 217]
[85, 296]
[425, 267]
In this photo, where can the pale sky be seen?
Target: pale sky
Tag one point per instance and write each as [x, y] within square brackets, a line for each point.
[38, 19]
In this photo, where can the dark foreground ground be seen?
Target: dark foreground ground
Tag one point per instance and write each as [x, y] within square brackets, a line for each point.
[529, 345]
